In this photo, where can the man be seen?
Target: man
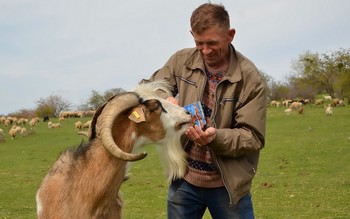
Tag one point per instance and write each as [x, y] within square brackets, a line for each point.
[223, 158]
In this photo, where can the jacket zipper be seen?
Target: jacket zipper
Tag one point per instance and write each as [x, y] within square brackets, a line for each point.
[211, 152]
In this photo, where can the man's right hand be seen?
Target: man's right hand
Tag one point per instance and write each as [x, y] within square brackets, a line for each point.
[173, 100]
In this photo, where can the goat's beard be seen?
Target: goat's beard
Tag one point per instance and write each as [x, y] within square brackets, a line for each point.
[173, 157]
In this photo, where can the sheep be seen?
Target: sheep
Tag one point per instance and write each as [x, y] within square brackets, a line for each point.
[335, 102]
[297, 106]
[329, 110]
[7, 123]
[13, 132]
[18, 128]
[2, 119]
[2, 135]
[21, 121]
[273, 103]
[286, 103]
[327, 97]
[23, 131]
[54, 125]
[319, 102]
[84, 182]
[78, 125]
[33, 122]
[341, 103]
[87, 124]
[288, 111]
[46, 119]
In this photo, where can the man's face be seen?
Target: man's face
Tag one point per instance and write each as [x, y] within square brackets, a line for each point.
[213, 45]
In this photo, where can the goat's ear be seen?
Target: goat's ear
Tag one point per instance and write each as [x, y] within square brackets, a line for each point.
[137, 115]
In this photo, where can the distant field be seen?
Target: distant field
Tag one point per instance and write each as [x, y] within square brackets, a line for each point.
[303, 171]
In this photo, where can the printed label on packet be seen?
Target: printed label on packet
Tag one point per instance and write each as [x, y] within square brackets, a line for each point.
[196, 110]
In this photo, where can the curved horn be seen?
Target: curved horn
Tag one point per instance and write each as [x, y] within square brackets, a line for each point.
[105, 123]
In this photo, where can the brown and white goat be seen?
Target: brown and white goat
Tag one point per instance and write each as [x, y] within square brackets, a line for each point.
[84, 182]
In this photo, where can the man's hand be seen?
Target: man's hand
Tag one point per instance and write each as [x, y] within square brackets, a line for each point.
[200, 137]
[173, 100]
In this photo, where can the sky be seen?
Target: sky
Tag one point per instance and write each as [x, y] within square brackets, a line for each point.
[71, 47]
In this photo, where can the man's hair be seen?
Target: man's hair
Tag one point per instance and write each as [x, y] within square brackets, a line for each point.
[208, 15]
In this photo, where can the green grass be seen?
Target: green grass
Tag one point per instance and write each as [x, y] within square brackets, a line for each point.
[303, 170]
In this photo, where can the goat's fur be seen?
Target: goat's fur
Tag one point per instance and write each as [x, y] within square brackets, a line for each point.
[84, 182]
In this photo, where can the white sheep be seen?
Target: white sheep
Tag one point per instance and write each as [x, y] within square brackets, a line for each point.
[13, 132]
[78, 125]
[2, 119]
[87, 125]
[54, 125]
[329, 110]
[7, 123]
[2, 135]
[23, 131]
[327, 97]
[33, 122]
[288, 111]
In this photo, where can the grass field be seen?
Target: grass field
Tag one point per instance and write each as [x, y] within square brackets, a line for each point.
[303, 171]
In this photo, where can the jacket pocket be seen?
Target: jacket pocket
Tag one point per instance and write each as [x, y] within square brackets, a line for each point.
[232, 100]
[187, 81]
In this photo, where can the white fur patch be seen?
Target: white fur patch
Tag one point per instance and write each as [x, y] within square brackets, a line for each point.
[39, 206]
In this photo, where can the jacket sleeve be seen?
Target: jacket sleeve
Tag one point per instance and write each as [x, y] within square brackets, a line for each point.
[248, 133]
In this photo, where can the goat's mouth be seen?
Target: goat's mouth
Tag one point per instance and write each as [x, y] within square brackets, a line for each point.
[185, 124]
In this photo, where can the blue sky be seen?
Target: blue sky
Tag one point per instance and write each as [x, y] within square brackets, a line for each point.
[70, 48]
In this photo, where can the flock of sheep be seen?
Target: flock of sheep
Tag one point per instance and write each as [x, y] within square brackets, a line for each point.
[327, 102]
[19, 126]
[16, 126]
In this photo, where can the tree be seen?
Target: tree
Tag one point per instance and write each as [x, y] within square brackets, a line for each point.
[342, 83]
[52, 106]
[23, 113]
[98, 99]
[279, 91]
[269, 82]
[326, 72]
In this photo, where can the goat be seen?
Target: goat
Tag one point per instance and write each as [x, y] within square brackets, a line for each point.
[84, 182]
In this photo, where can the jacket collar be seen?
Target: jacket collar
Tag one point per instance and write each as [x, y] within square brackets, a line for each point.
[233, 74]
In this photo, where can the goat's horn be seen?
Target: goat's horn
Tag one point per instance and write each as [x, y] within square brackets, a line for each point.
[111, 111]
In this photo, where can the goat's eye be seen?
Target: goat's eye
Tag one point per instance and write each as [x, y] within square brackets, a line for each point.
[153, 105]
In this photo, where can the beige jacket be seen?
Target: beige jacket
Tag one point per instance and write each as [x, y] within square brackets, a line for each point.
[239, 116]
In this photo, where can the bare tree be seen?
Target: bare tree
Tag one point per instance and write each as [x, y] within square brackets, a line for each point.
[52, 106]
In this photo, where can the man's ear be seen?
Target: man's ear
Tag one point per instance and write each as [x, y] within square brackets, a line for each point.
[231, 34]
[137, 115]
